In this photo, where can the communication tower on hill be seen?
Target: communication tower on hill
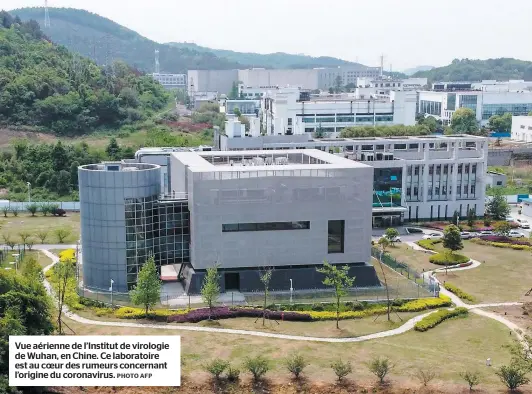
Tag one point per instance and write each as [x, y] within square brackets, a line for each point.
[46, 14]
[157, 66]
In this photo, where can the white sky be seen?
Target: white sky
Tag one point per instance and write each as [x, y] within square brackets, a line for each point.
[407, 32]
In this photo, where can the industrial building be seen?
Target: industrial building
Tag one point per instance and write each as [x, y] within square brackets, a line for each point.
[288, 210]
[290, 111]
[171, 81]
[522, 129]
[485, 104]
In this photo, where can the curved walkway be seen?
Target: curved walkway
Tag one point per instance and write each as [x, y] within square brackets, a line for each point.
[407, 326]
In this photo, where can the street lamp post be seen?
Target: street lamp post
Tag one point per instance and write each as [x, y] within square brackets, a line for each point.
[111, 290]
[291, 290]
[29, 191]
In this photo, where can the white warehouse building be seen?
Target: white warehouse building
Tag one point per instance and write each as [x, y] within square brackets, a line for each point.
[171, 81]
[522, 128]
[287, 113]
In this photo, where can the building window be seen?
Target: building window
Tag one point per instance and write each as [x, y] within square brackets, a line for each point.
[289, 121]
[269, 226]
[335, 239]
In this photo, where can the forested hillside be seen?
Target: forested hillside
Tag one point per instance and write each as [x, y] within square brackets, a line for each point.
[501, 69]
[103, 40]
[44, 85]
[270, 60]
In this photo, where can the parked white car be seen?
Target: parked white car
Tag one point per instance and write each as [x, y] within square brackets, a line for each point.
[486, 232]
[466, 235]
[516, 234]
[433, 236]
[394, 239]
[510, 219]
[523, 223]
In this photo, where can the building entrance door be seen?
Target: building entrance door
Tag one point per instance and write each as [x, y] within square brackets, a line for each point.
[232, 281]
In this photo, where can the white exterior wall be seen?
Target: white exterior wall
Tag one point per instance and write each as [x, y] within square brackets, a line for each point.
[522, 128]
[307, 79]
[220, 81]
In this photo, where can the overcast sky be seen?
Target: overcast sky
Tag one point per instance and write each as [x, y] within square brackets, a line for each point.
[407, 32]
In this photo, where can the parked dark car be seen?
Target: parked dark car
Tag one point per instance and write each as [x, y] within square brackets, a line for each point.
[58, 212]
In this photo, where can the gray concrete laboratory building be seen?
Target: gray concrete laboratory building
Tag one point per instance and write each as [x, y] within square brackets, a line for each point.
[245, 211]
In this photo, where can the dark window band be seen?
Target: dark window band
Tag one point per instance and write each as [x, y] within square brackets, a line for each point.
[269, 226]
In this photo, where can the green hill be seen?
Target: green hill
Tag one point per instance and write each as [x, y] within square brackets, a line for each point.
[44, 85]
[271, 60]
[501, 69]
[103, 40]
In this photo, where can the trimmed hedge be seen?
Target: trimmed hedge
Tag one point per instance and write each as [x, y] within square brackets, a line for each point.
[502, 244]
[506, 240]
[446, 258]
[138, 313]
[461, 294]
[438, 317]
[429, 243]
[197, 315]
[424, 303]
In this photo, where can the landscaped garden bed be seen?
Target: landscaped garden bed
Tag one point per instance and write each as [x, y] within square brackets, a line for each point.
[503, 242]
[447, 258]
[436, 318]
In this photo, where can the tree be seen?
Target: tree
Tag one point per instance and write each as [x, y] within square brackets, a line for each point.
[32, 208]
[29, 243]
[341, 369]
[265, 278]
[14, 211]
[502, 228]
[456, 218]
[45, 209]
[338, 84]
[233, 94]
[384, 243]
[391, 235]
[113, 150]
[464, 121]
[295, 363]
[258, 366]
[380, 367]
[24, 236]
[42, 235]
[452, 239]
[425, 375]
[472, 378]
[237, 112]
[64, 271]
[501, 122]
[62, 234]
[471, 217]
[216, 367]
[5, 210]
[9, 241]
[497, 207]
[513, 375]
[210, 290]
[339, 279]
[147, 291]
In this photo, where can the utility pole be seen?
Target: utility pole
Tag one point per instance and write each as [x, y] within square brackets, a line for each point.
[157, 65]
[46, 14]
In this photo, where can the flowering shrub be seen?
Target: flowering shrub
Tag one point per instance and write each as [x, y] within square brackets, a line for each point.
[436, 318]
[503, 244]
[67, 254]
[455, 290]
[499, 238]
[424, 303]
[138, 313]
[224, 312]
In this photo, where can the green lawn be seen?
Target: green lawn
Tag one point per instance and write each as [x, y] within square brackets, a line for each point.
[450, 348]
[505, 275]
[41, 258]
[24, 222]
[418, 261]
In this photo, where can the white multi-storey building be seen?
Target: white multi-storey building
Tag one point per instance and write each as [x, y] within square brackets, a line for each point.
[415, 178]
[171, 81]
[287, 113]
[442, 104]
[522, 128]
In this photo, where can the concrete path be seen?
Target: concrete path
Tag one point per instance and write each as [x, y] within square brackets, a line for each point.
[407, 326]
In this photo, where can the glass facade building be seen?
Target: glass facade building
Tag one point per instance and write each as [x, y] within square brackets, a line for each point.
[488, 110]
[430, 107]
[387, 187]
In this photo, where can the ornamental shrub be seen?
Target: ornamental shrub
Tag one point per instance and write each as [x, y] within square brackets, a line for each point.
[429, 243]
[455, 290]
[138, 313]
[424, 303]
[438, 317]
[446, 258]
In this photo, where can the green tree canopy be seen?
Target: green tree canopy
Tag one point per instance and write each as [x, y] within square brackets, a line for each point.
[501, 122]
[452, 239]
[464, 121]
[147, 291]
[497, 207]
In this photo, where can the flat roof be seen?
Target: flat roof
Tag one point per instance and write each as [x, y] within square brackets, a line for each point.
[199, 161]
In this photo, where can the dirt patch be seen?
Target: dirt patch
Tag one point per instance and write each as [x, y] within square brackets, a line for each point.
[8, 135]
[520, 315]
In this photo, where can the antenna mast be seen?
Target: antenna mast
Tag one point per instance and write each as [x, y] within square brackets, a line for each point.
[382, 65]
[46, 14]
[157, 66]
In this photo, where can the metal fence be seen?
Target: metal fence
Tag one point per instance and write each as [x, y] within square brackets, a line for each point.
[22, 205]
[403, 269]
[399, 288]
